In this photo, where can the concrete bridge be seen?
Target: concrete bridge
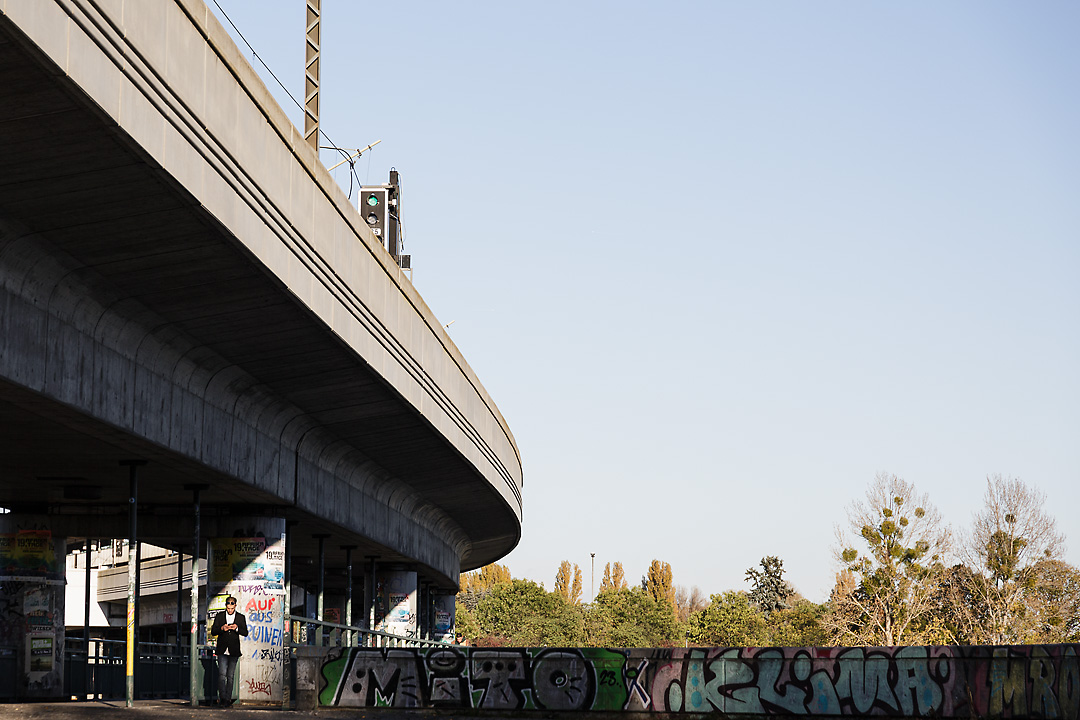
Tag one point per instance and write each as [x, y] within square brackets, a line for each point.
[182, 283]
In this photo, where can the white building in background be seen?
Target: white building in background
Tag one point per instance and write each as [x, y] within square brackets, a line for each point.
[159, 599]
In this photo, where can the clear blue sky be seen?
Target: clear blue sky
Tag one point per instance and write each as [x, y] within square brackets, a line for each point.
[720, 263]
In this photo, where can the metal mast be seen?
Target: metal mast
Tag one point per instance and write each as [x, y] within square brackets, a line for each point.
[311, 76]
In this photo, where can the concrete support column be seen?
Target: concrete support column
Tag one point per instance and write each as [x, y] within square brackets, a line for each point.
[320, 598]
[33, 567]
[348, 593]
[397, 594]
[286, 680]
[445, 604]
[133, 580]
[86, 620]
[179, 615]
[371, 589]
[422, 626]
[193, 649]
[249, 564]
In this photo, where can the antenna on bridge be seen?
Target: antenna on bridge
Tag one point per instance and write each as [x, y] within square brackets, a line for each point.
[352, 156]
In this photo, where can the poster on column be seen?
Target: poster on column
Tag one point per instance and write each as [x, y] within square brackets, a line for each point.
[29, 556]
[445, 606]
[400, 592]
[252, 571]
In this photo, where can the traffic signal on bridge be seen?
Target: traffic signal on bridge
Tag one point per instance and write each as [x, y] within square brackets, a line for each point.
[380, 206]
[373, 204]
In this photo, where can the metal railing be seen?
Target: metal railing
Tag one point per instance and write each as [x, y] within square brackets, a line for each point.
[322, 633]
[100, 671]
[162, 670]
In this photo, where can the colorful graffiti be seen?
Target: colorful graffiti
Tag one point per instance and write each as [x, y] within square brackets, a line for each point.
[941, 682]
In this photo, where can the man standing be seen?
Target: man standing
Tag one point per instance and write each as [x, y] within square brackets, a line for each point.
[228, 625]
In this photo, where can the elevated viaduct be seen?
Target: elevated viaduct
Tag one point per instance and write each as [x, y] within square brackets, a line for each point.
[182, 283]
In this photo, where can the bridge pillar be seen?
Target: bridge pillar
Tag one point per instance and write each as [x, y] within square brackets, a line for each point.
[396, 602]
[32, 579]
[250, 566]
[370, 590]
[445, 621]
[348, 591]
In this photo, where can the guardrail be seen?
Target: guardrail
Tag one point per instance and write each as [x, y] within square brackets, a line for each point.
[99, 671]
[307, 631]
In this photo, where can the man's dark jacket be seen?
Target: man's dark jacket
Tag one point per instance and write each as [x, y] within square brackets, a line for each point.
[229, 639]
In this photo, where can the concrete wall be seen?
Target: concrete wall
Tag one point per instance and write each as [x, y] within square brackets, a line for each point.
[944, 682]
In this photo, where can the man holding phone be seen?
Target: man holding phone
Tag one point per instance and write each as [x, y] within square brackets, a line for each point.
[228, 625]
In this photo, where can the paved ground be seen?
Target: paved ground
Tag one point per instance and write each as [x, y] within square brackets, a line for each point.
[142, 710]
[176, 709]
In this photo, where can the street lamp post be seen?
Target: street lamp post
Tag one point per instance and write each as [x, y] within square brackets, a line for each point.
[592, 576]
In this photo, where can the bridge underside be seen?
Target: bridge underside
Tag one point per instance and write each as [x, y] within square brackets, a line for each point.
[104, 246]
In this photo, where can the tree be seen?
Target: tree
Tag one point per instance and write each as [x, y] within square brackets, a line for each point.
[522, 613]
[484, 579]
[618, 577]
[730, 620]
[688, 602]
[657, 582]
[895, 578]
[631, 618]
[568, 582]
[605, 582]
[959, 618]
[474, 585]
[770, 592]
[1009, 537]
[801, 625]
[1054, 603]
[614, 578]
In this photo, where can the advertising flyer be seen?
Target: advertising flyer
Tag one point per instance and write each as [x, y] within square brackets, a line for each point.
[41, 653]
[248, 560]
[28, 555]
[399, 608]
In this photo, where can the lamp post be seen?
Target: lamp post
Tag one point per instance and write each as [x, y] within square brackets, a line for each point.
[592, 576]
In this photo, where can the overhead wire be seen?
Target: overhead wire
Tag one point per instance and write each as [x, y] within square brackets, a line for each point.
[333, 145]
[296, 102]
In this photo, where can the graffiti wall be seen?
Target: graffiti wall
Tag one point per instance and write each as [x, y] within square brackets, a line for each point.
[949, 682]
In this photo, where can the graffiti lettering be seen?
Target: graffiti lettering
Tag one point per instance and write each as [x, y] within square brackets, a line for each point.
[258, 687]
[265, 634]
[257, 604]
[944, 682]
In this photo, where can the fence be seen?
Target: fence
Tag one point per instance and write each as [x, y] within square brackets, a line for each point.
[163, 670]
[320, 633]
[100, 671]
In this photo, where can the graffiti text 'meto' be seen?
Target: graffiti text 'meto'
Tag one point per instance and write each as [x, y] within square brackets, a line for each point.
[1028, 681]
